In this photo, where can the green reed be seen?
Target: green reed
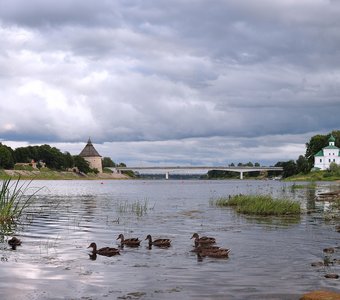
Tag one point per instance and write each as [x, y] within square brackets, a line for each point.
[14, 200]
[263, 205]
[137, 207]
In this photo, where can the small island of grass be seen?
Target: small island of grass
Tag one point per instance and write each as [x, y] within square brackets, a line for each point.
[262, 205]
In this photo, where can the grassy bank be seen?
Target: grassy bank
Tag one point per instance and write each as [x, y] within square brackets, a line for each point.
[47, 174]
[315, 176]
[331, 174]
[261, 205]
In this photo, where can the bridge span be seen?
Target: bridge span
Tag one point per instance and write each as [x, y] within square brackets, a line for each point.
[173, 169]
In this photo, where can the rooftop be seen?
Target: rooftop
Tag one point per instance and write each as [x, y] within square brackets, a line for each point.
[89, 150]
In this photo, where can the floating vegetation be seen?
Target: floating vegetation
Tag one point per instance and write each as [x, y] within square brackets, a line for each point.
[138, 208]
[262, 205]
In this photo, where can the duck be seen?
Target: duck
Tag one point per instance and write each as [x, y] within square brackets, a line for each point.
[158, 242]
[215, 253]
[132, 242]
[332, 276]
[202, 248]
[106, 251]
[329, 250]
[14, 242]
[204, 240]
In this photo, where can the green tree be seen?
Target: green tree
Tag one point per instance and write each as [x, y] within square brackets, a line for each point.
[334, 169]
[21, 155]
[33, 153]
[215, 174]
[6, 157]
[289, 168]
[302, 165]
[82, 165]
[51, 156]
[108, 163]
[68, 161]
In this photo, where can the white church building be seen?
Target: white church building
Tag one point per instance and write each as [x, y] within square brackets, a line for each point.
[327, 155]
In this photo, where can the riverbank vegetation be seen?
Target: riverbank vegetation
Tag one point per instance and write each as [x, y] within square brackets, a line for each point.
[14, 200]
[261, 205]
[47, 174]
[332, 174]
[44, 162]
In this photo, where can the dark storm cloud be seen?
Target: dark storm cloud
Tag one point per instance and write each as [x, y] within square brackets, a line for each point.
[217, 72]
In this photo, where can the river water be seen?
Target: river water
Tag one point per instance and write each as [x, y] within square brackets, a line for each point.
[270, 258]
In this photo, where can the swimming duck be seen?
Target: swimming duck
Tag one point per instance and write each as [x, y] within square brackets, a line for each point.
[202, 248]
[215, 253]
[106, 251]
[329, 250]
[14, 242]
[132, 242]
[332, 276]
[204, 240]
[158, 242]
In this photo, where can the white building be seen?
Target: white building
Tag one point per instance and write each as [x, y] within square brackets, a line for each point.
[327, 155]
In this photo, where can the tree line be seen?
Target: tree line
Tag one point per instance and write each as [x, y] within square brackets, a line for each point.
[215, 174]
[51, 156]
[56, 160]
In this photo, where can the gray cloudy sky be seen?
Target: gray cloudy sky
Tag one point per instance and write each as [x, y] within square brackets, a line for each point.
[170, 82]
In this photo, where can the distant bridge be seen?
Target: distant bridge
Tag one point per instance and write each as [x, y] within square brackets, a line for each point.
[167, 169]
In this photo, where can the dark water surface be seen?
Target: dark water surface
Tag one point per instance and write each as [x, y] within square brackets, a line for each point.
[270, 258]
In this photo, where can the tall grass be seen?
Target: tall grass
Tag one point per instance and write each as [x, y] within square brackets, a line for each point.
[14, 200]
[262, 205]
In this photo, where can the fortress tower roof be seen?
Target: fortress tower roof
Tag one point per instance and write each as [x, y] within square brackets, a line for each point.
[89, 150]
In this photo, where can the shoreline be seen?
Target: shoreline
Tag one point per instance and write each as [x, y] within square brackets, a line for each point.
[58, 175]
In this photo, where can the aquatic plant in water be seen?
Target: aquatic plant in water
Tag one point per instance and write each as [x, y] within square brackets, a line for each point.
[263, 205]
[136, 207]
[14, 200]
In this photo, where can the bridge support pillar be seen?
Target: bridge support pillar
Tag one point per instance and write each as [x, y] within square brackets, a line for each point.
[241, 175]
[167, 175]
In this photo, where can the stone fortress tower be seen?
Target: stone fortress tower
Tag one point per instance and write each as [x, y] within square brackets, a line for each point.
[90, 154]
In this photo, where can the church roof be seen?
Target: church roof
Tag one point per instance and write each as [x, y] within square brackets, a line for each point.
[89, 150]
[320, 153]
[331, 138]
[331, 147]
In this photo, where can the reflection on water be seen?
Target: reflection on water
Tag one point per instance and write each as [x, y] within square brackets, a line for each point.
[270, 257]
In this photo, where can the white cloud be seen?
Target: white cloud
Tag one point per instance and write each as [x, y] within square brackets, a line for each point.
[180, 80]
